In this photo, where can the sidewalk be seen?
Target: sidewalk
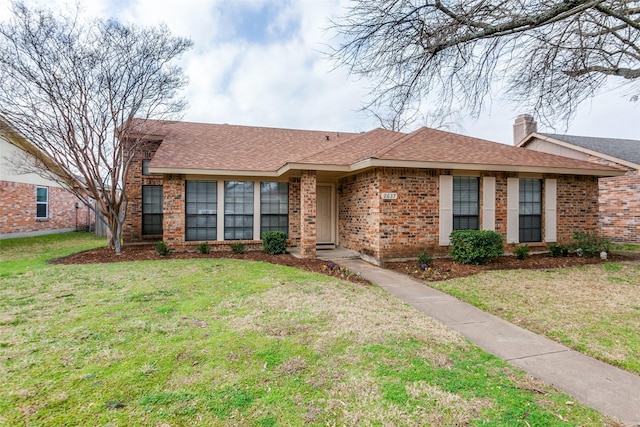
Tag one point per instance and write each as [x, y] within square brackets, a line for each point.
[612, 391]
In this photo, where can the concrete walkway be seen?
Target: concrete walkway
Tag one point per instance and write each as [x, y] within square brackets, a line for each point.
[610, 390]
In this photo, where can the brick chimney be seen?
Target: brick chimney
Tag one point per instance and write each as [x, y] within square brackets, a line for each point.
[523, 127]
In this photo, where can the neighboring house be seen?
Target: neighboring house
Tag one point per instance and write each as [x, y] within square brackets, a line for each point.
[384, 194]
[619, 195]
[30, 204]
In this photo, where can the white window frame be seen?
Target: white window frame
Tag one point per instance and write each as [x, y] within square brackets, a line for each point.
[45, 203]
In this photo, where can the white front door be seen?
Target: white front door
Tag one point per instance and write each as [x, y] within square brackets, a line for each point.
[324, 213]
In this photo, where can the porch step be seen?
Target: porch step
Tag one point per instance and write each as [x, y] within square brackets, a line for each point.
[325, 246]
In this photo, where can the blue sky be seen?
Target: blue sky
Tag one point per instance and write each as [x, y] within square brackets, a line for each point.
[259, 62]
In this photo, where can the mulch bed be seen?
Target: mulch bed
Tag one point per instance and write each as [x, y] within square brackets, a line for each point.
[149, 253]
[441, 268]
[447, 268]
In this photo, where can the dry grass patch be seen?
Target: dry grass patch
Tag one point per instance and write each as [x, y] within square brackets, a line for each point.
[237, 343]
[593, 309]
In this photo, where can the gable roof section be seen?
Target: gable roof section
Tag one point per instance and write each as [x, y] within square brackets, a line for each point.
[197, 148]
[439, 149]
[203, 148]
[623, 151]
[16, 138]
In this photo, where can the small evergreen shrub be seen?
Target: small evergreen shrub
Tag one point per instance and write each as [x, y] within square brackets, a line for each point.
[162, 248]
[555, 250]
[274, 242]
[424, 260]
[522, 252]
[475, 246]
[203, 248]
[590, 245]
[238, 248]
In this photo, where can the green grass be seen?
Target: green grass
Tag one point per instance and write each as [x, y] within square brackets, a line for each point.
[593, 309]
[628, 248]
[20, 255]
[228, 342]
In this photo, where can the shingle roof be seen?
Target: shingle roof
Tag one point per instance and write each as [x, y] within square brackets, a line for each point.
[213, 147]
[623, 149]
[432, 145]
[229, 147]
[358, 148]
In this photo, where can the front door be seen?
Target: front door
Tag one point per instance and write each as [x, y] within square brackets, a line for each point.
[324, 214]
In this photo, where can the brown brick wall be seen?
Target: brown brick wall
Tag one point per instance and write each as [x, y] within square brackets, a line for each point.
[501, 203]
[132, 231]
[410, 223]
[294, 212]
[620, 207]
[174, 214]
[308, 182]
[18, 210]
[577, 206]
[401, 228]
[359, 213]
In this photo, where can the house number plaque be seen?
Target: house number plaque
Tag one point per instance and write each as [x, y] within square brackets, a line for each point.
[389, 196]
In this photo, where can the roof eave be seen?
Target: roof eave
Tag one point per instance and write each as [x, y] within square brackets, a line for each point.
[220, 172]
[370, 162]
[487, 167]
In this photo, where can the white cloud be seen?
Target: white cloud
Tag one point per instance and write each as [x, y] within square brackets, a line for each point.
[283, 80]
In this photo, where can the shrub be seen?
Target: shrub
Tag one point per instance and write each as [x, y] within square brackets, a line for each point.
[555, 250]
[521, 252]
[274, 242]
[591, 245]
[203, 248]
[162, 248]
[475, 246]
[237, 248]
[424, 260]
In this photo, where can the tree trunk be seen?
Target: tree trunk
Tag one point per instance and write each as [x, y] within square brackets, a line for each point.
[115, 233]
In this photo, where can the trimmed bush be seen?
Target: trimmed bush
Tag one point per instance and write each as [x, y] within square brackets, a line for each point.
[475, 246]
[203, 248]
[555, 250]
[274, 242]
[238, 248]
[521, 252]
[162, 248]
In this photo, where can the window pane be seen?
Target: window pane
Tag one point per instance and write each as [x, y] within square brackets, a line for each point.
[41, 210]
[530, 206]
[238, 210]
[42, 199]
[466, 203]
[274, 207]
[145, 167]
[41, 195]
[152, 210]
[201, 206]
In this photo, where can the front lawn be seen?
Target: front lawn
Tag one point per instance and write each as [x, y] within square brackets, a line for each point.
[229, 342]
[593, 309]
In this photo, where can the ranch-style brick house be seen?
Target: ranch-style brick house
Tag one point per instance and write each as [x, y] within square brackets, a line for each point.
[384, 194]
[619, 195]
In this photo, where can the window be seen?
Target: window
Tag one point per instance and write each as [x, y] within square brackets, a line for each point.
[466, 204]
[145, 167]
[274, 207]
[201, 199]
[530, 210]
[151, 210]
[42, 203]
[238, 210]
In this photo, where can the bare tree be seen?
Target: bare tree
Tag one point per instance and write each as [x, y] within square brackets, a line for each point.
[71, 85]
[548, 56]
